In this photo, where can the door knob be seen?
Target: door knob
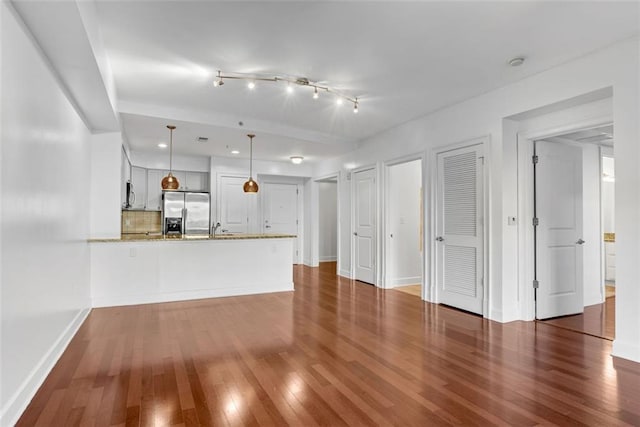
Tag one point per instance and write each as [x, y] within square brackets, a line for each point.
[267, 226]
[440, 239]
[580, 241]
[355, 233]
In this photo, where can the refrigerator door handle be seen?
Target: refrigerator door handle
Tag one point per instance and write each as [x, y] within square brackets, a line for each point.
[184, 220]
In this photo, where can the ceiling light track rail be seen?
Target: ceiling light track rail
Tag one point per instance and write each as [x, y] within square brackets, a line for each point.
[299, 81]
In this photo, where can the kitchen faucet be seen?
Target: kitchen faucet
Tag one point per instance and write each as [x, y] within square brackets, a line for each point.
[214, 228]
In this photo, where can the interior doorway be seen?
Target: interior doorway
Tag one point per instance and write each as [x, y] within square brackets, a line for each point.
[328, 223]
[404, 222]
[574, 260]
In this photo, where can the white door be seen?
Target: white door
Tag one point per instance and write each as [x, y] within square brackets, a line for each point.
[233, 205]
[280, 211]
[365, 226]
[459, 228]
[558, 178]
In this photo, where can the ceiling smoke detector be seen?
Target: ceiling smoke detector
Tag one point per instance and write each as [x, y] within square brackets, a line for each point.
[516, 62]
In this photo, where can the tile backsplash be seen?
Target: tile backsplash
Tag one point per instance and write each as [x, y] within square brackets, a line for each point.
[141, 222]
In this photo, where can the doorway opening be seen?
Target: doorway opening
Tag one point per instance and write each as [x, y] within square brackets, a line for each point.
[574, 231]
[328, 223]
[404, 224]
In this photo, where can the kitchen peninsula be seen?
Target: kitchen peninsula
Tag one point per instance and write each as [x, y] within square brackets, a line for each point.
[141, 269]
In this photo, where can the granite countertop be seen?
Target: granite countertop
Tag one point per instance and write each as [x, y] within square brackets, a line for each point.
[189, 238]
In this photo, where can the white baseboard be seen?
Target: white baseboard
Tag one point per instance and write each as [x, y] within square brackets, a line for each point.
[345, 273]
[405, 281]
[135, 299]
[626, 350]
[328, 258]
[16, 405]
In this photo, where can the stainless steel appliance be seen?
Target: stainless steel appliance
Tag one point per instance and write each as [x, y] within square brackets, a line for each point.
[130, 196]
[185, 212]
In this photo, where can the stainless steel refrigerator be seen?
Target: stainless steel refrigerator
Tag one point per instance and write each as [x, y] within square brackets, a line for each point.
[185, 212]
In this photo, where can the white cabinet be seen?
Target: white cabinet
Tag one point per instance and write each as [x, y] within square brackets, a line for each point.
[154, 189]
[139, 181]
[610, 261]
[195, 181]
[149, 194]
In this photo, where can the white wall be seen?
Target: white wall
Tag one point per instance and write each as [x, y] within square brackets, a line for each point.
[106, 158]
[328, 220]
[45, 219]
[160, 160]
[615, 67]
[403, 261]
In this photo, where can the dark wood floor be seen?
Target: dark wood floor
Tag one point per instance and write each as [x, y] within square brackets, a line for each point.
[334, 352]
[598, 320]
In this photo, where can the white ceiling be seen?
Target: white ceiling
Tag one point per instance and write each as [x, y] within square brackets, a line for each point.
[401, 59]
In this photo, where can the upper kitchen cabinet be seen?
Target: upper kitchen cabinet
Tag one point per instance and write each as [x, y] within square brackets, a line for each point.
[139, 182]
[154, 189]
[196, 181]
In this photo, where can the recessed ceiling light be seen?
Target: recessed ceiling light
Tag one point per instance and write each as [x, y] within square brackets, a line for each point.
[251, 85]
[235, 152]
[296, 160]
[516, 62]
[339, 101]
[162, 145]
[289, 88]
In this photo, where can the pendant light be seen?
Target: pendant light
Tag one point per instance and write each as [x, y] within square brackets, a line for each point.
[250, 186]
[170, 182]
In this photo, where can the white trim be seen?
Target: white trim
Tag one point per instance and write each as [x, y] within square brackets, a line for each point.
[331, 258]
[159, 297]
[386, 282]
[626, 349]
[316, 241]
[525, 204]
[17, 403]
[405, 281]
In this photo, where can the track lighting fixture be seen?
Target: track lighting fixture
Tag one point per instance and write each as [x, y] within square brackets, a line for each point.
[253, 79]
[219, 81]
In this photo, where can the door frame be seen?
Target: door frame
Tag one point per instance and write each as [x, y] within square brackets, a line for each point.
[486, 224]
[388, 164]
[275, 179]
[526, 268]
[352, 225]
[327, 178]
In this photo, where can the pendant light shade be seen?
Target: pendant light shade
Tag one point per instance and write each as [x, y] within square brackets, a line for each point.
[170, 182]
[250, 186]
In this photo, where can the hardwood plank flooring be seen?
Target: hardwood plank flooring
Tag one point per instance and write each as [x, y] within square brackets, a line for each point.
[598, 320]
[415, 290]
[334, 352]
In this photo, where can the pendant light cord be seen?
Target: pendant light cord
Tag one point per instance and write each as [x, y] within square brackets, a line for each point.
[251, 159]
[171, 151]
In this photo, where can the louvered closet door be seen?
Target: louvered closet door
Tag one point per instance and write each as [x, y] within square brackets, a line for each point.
[459, 231]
